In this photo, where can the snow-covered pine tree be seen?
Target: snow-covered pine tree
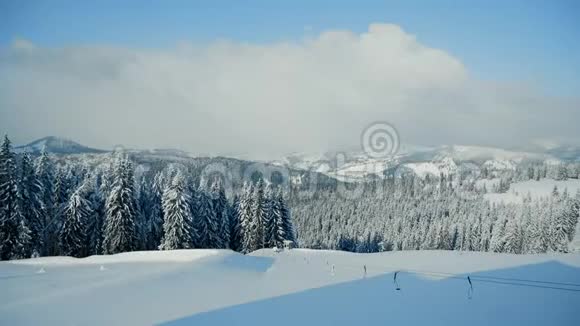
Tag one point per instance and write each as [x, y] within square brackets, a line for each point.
[235, 225]
[10, 213]
[498, 236]
[205, 221]
[259, 210]
[247, 218]
[177, 226]
[120, 230]
[269, 221]
[277, 219]
[539, 228]
[220, 210]
[23, 247]
[560, 225]
[285, 229]
[30, 203]
[513, 237]
[60, 196]
[45, 175]
[154, 212]
[76, 215]
[142, 200]
[95, 222]
[198, 224]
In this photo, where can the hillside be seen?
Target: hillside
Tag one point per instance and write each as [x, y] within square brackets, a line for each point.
[56, 145]
[297, 287]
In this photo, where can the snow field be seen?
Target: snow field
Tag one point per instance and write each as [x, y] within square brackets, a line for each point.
[295, 287]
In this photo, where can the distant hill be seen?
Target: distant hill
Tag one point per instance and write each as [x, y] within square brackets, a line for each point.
[56, 145]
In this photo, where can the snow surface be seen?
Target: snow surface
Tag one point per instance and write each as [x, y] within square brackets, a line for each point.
[445, 166]
[537, 189]
[295, 287]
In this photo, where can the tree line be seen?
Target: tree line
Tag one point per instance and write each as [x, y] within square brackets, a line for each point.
[76, 210]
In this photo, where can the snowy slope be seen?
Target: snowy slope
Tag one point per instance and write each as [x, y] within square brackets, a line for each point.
[445, 166]
[297, 287]
[536, 189]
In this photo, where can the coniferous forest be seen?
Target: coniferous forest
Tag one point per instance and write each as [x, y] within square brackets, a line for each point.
[50, 208]
[108, 203]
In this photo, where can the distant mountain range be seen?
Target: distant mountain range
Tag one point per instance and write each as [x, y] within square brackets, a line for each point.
[56, 145]
[423, 161]
[419, 160]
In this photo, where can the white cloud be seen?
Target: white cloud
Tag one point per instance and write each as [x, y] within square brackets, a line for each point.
[231, 97]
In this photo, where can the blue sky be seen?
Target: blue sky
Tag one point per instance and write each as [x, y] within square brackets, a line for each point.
[534, 41]
[472, 72]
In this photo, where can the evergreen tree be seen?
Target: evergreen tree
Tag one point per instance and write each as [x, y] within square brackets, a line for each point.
[259, 210]
[10, 213]
[220, 212]
[59, 202]
[73, 234]
[120, 229]
[23, 247]
[246, 217]
[205, 221]
[95, 222]
[560, 225]
[45, 175]
[30, 203]
[282, 221]
[235, 225]
[513, 239]
[269, 221]
[177, 226]
[154, 213]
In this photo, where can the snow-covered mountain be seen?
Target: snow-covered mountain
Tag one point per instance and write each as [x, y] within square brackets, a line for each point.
[56, 145]
[420, 160]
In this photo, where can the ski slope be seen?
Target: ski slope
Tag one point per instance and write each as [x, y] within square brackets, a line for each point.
[294, 287]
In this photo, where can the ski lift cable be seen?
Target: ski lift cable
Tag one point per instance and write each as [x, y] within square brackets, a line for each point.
[477, 278]
[483, 277]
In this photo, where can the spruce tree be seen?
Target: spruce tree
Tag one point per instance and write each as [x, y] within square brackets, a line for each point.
[10, 213]
[59, 202]
[246, 219]
[220, 213]
[30, 203]
[259, 210]
[205, 222]
[23, 247]
[177, 225]
[96, 220]
[45, 175]
[285, 227]
[151, 210]
[269, 222]
[73, 234]
[513, 238]
[120, 229]
[235, 225]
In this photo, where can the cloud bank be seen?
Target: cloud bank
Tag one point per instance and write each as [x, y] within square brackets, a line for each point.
[230, 97]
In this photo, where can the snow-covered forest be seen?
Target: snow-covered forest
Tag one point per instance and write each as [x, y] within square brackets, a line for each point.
[107, 203]
[416, 214]
[72, 209]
